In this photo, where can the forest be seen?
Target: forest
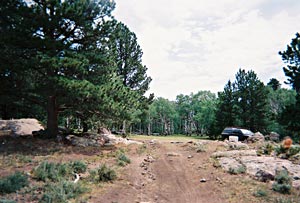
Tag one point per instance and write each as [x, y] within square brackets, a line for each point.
[72, 64]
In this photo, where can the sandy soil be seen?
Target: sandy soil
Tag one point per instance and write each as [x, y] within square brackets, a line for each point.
[173, 176]
[163, 171]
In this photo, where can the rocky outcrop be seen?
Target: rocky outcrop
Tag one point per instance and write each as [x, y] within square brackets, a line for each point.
[273, 137]
[257, 137]
[96, 140]
[234, 153]
[262, 168]
[20, 127]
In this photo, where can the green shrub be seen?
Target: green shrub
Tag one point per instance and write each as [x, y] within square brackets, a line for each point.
[61, 192]
[239, 170]
[52, 171]
[261, 193]
[106, 174]
[102, 174]
[268, 148]
[79, 166]
[282, 182]
[123, 160]
[280, 150]
[293, 150]
[13, 183]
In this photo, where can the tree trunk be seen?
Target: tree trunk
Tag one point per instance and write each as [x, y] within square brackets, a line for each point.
[52, 117]
[124, 128]
[4, 112]
[85, 127]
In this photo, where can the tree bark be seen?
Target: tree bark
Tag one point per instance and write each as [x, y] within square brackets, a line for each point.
[52, 117]
[85, 127]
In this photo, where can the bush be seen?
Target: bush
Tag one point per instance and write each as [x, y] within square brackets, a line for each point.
[51, 171]
[61, 192]
[13, 183]
[103, 174]
[282, 182]
[78, 166]
[260, 193]
[239, 170]
[268, 148]
[293, 150]
[123, 160]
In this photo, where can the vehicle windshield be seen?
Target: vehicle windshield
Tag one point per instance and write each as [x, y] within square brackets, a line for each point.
[246, 132]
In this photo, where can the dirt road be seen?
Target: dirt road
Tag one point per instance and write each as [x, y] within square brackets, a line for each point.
[167, 172]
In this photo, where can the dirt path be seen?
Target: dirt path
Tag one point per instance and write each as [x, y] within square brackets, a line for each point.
[167, 172]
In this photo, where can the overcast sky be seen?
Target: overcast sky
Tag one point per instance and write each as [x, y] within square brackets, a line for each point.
[192, 45]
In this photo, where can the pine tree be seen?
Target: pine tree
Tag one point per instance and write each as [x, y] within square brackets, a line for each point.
[291, 56]
[225, 109]
[250, 96]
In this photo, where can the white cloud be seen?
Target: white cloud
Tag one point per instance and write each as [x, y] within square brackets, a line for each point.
[199, 44]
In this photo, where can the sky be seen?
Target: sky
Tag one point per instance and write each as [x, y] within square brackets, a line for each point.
[194, 45]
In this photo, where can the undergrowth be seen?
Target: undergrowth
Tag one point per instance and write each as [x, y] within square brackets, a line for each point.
[13, 183]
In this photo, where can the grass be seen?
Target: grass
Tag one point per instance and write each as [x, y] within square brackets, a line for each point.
[175, 137]
[239, 170]
[282, 182]
[58, 171]
[103, 174]
[62, 192]
[13, 183]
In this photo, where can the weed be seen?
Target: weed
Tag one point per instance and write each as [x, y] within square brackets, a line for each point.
[293, 150]
[282, 182]
[61, 192]
[261, 193]
[280, 150]
[200, 148]
[51, 171]
[123, 160]
[24, 159]
[268, 149]
[13, 183]
[239, 170]
[284, 200]
[142, 149]
[103, 174]
[79, 166]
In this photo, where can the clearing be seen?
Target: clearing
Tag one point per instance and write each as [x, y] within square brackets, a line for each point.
[162, 169]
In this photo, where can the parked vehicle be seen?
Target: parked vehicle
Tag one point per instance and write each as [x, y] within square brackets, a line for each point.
[242, 134]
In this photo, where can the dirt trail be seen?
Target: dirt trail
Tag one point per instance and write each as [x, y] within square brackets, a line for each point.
[168, 172]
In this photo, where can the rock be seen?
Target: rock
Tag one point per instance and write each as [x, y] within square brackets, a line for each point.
[20, 127]
[264, 176]
[273, 137]
[82, 141]
[295, 158]
[229, 163]
[234, 153]
[152, 142]
[149, 159]
[202, 180]
[257, 137]
[190, 156]
[237, 146]
[104, 131]
[172, 154]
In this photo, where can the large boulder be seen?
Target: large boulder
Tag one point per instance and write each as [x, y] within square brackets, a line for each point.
[257, 137]
[273, 137]
[20, 127]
